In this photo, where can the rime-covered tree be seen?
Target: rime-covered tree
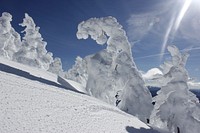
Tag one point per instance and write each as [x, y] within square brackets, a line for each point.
[9, 38]
[56, 66]
[176, 108]
[112, 70]
[78, 72]
[33, 51]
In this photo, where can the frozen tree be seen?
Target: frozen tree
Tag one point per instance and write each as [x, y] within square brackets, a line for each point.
[56, 66]
[9, 38]
[33, 51]
[112, 70]
[78, 72]
[176, 108]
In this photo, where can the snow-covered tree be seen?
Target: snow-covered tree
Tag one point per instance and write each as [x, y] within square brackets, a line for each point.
[33, 51]
[9, 38]
[176, 108]
[78, 72]
[113, 70]
[56, 66]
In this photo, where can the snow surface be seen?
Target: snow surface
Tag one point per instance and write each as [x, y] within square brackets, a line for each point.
[45, 76]
[32, 106]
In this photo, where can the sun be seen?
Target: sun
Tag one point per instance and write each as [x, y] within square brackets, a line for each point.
[175, 23]
[184, 9]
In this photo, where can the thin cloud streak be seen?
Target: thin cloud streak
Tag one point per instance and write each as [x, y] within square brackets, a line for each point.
[166, 37]
[166, 53]
[149, 56]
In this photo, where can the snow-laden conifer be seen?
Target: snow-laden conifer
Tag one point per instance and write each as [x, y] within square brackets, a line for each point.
[33, 51]
[9, 39]
[176, 108]
[112, 70]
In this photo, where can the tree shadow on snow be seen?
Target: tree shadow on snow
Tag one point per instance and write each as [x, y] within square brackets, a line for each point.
[9, 69]
[131, 129]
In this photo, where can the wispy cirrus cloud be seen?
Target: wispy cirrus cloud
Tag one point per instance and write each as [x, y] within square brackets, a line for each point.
[165, 23]
[140, 25]
[170, 22]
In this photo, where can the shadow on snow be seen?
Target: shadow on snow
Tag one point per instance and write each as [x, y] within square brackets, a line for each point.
[27, 75]
[131, 129]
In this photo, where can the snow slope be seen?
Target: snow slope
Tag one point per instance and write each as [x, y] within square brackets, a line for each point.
[39, 74]
[33, 106]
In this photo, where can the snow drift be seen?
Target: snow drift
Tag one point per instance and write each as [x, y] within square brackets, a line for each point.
[39, 75]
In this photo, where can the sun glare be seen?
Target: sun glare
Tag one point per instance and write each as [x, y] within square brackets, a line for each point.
[196, 1]
[182, 14]
[173, 27]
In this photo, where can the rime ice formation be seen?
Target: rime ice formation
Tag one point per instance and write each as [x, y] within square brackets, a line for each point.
[112, 70]
[78, 72]
[56, 66]
[176, 108]
[9, 38]
[33, 51]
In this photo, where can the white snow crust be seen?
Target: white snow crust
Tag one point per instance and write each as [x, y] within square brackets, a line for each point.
[32, 106]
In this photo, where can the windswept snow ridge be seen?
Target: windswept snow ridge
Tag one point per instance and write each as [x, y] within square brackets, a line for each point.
[39, 75]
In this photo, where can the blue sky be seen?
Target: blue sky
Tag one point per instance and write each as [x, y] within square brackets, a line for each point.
[146, 22]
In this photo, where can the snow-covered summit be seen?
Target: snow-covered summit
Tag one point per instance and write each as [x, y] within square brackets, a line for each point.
[152, 74]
